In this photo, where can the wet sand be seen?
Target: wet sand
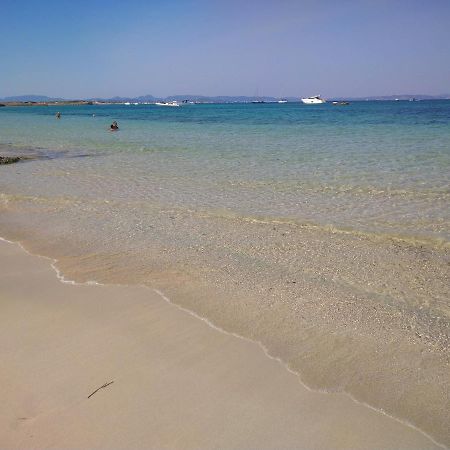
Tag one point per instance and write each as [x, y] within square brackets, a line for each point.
[177, 382]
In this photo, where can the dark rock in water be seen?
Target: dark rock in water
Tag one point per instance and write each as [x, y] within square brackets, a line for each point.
[10, 159]
[1, 104]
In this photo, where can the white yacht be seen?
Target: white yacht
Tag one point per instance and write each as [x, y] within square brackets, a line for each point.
[282, 101]
[314, 100]
[173, 103]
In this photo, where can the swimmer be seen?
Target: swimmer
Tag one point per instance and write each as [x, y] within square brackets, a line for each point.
[58, 115]
[114, 126]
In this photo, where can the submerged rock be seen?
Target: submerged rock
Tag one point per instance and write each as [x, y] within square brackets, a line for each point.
[10, 159]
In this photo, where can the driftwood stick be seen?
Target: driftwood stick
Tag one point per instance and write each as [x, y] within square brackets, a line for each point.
[101, 387]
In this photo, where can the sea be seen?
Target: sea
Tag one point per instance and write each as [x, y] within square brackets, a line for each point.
[320, 231]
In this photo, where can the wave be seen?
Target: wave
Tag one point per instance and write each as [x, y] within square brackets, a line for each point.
[415, 240]
[64, 279]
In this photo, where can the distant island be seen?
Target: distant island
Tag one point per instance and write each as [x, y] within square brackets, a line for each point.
[37, 100]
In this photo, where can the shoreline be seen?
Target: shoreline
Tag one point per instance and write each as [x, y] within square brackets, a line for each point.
[333, 261]
[370, 414]
[185, 294]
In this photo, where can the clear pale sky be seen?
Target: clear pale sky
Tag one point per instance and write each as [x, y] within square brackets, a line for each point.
[79, 49]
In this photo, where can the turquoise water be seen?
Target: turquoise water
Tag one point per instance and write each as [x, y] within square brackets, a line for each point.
[320, 231]
[378, 167]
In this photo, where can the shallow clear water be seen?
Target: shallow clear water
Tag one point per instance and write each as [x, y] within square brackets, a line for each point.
[321, 231]
[371, 166]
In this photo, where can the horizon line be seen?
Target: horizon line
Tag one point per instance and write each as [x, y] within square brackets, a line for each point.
[435, 96]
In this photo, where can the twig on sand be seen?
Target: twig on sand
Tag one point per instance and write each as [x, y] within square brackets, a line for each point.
[101, 387]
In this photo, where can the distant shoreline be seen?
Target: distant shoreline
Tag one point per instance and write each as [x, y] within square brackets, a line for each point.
[63, 103]
[43, 100]
[97, 103]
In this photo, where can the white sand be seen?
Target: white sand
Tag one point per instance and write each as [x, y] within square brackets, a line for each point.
[178, 383]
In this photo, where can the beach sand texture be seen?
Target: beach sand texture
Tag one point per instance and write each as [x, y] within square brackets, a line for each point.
[177, 382]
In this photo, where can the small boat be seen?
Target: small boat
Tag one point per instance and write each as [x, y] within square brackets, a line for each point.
[341, 103]
[314, 100]
[257, 98]
[173, 103]
[282, 101]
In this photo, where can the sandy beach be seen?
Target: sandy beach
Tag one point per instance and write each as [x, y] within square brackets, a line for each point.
[176, 381]
[225, 225]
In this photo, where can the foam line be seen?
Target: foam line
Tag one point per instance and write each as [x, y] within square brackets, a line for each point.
[63, 279]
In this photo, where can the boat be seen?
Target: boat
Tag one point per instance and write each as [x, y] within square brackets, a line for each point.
[257, 98]
[173, 103]
[341, 103]
[314, 100]
[282, 100]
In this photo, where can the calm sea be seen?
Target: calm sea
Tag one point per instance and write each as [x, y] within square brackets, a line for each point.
[320, 231]
[379, 167]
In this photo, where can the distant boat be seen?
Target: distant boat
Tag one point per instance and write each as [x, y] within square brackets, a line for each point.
[258, 99]
[314, 100]
[173, 103]
[282, 101]
[341, 103]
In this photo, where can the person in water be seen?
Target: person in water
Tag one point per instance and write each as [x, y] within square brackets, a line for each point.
[114, 126]
[58, 115]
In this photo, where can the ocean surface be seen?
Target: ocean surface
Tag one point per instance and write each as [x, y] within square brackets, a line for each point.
[321, 231]
[378, 167]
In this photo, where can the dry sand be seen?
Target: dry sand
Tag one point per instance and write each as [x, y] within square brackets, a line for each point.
[177, 382]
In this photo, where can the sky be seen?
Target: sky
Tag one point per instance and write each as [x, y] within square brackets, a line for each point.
[280, 48]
